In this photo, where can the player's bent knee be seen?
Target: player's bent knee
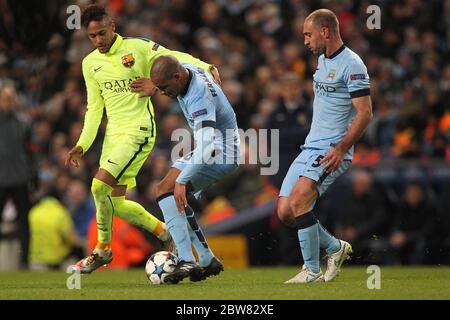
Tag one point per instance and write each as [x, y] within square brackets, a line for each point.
[284, 212]
[302, 199]
[300, 204]
[295, 204]
[303, 194]
[100, 189]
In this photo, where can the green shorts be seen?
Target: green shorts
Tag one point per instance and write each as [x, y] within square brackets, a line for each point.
[123, 156]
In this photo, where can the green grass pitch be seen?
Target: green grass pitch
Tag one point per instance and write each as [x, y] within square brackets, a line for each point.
[250, 284]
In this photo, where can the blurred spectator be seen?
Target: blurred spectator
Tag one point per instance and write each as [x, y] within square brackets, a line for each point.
[361, 216]
[234, 92]
[167, 125]
[412, 226]
[382, 127]
[365, 155]
[53, 235]
[439, 240]
[81, 207]
[17, 164]
[217, 210]
[292, 118]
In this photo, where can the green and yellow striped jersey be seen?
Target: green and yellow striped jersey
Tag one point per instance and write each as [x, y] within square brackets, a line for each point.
[108, 77]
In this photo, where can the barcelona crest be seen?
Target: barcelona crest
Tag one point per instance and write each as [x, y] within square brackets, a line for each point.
[128, 60]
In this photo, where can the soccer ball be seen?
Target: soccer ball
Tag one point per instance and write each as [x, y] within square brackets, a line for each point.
[159, 265]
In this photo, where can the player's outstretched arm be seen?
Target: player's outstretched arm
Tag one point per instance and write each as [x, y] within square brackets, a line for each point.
[146, 88]
[94, 112]
[187, 58]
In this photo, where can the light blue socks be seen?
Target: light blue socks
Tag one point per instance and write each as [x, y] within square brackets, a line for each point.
[177, 226]
[308, 235]
[313, 236]
[327, 241]
[198, 239]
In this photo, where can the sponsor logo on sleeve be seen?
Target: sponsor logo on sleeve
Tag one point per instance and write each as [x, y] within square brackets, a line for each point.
[199, 113]
[359, 76]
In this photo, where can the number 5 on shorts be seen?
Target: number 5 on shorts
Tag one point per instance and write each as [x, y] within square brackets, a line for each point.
[316, 162]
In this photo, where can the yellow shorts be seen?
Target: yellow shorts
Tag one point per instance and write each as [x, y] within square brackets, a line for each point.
[123, 156]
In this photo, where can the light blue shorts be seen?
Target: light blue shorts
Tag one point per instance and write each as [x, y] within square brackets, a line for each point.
[208, 174]
[307, 165]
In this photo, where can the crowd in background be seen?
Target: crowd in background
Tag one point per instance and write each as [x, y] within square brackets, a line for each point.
[394, 204]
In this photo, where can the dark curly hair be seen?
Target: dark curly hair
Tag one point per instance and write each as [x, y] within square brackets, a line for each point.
[93, 12]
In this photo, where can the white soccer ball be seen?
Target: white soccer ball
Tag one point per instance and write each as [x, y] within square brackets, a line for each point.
[159, 265]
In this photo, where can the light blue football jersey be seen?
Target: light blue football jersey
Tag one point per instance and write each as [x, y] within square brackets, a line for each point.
[204, 103]
[337, 80]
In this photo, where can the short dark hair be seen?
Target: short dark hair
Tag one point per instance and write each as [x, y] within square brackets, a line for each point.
[93, 12]
[324, 18]
[164, 67]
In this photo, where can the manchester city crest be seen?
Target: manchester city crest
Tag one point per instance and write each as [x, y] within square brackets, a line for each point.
[331, 74]
[128, 60]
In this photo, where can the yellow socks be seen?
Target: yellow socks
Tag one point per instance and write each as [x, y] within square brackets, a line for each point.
[134, 213]
[105, 209]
